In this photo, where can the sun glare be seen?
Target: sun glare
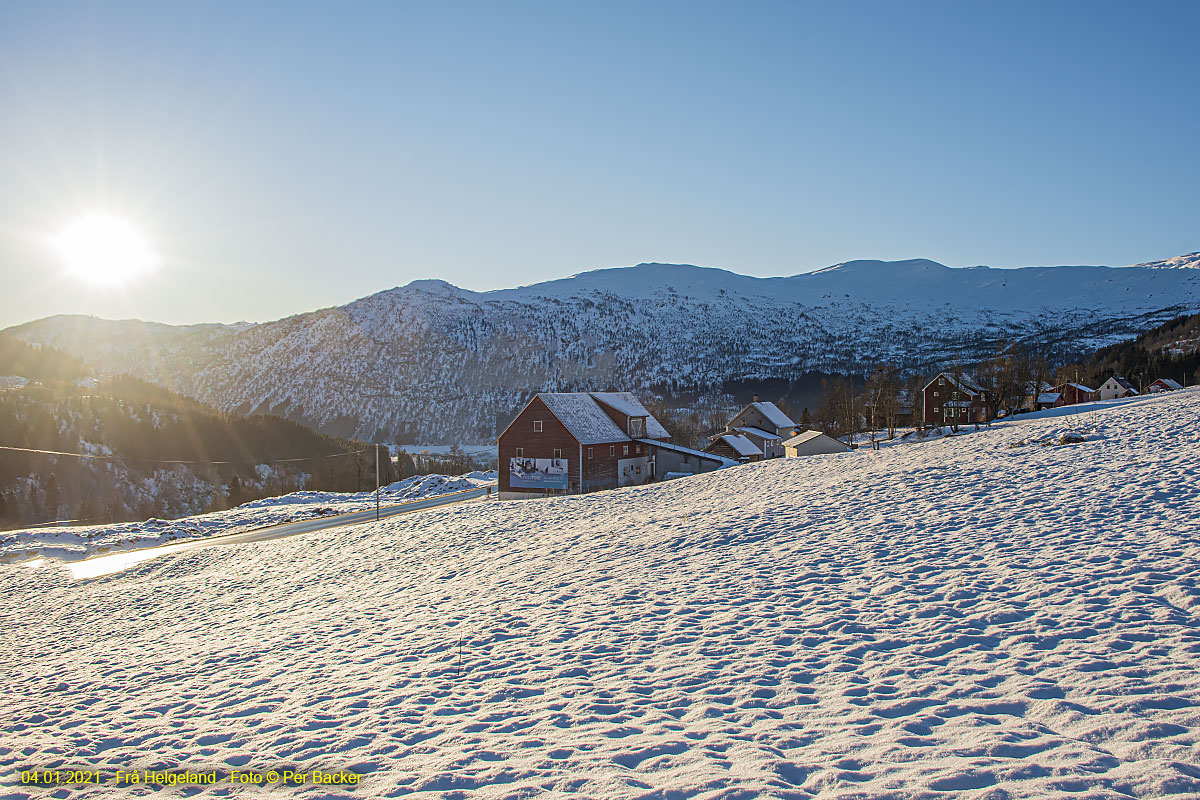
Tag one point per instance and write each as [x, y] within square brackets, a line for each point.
[105, 250]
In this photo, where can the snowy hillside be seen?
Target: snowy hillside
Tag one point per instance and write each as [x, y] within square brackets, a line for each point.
[431, 362]
[85, 541]
[955, 618]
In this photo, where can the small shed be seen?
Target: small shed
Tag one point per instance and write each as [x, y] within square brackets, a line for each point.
[735, 446]
[811, 443]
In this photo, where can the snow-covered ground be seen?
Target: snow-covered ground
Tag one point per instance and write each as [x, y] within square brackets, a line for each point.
[958, 618]
[86, 541]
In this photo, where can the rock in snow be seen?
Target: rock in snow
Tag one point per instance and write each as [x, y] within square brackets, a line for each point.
[950, 618]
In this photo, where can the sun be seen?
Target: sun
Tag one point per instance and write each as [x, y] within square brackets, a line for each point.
[105, 250]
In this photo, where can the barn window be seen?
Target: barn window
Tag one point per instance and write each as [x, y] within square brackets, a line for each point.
[625, 450]
[637, 449]
[589, 454]
[935, 409]
[637, 425]
[520, 452]
[557, 452]
[537, 426]
[935, 393]
[612, 449]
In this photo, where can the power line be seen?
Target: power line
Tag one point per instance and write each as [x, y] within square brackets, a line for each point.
[166, 461]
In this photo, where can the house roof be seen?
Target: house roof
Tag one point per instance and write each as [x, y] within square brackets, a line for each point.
[1123, 383]
[1049, 397]
[808, 436]
[773, 414]
[1170, 383]
[740, 444]
[627, 403]
[1078, 387]
[759, 433]
[725, 462]
[963, 382]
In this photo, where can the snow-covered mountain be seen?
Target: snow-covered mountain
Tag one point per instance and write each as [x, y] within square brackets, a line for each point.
[439, 363]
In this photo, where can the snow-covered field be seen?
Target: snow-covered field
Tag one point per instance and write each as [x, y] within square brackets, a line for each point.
[956, 618]
[86, 541]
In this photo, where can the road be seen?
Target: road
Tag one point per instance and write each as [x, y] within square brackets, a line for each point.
[115, 562]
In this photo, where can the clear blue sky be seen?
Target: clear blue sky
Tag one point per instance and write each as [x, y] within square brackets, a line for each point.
[288, 156]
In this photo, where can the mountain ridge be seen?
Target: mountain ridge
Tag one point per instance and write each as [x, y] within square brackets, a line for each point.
[432, 362]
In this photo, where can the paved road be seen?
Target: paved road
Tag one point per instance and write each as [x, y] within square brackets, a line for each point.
[115, 562]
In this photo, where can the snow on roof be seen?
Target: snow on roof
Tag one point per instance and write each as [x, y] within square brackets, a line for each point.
[583, 417]
[1049, 397]
[760, 434]
[1079, 387]
[1123, 383]
[804, 436]
[627, 403]
[740, 444]
[725, 462]
[963, 382]
[1170, 383]
[773, 414]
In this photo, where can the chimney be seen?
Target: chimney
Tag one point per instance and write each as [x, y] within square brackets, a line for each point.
[756, 397]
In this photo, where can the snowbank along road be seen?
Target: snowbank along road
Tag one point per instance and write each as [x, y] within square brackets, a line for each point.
[955, 618]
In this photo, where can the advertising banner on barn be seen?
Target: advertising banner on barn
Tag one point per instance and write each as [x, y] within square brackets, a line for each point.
[537, 473]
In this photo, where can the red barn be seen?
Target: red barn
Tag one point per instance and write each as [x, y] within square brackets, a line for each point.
[1070, 394]
[572, 442]
[951, 401]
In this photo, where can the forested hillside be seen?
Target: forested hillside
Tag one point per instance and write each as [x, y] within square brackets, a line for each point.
[130, 432]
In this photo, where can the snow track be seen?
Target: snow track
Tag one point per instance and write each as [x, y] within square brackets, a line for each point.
[953, 618]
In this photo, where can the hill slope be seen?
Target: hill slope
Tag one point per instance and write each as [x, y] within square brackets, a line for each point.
[956, 618]
[433, 363]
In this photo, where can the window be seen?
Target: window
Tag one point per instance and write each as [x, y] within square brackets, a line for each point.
[589, 454]
[520, 453]
[637, 426]
[935, 409]
[935, 394]
[687, 459]
[537, 426]
[624, 449]
[557, 453]
[637, 449]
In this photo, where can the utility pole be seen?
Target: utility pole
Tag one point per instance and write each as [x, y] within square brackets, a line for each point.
[376, 483]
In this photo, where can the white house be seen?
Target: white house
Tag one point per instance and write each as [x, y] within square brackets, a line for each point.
[764, 425]
[1115, 387]
[811, 443]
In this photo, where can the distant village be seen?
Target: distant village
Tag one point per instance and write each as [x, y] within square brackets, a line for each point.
[579, 442]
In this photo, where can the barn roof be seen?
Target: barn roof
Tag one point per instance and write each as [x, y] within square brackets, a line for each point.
[584, 418]
[581, 415]
[627, 403]
[1170, 383]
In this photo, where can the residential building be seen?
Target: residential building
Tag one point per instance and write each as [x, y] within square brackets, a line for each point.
[951, 400]
[1115, 387]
